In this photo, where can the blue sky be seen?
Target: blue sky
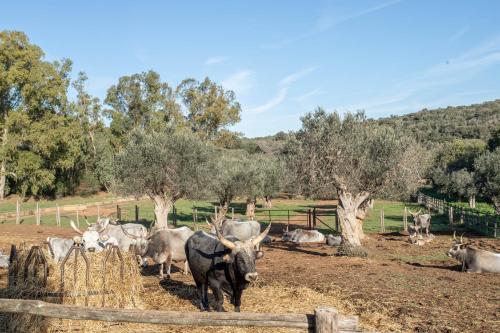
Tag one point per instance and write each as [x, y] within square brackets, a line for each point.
[282, 58]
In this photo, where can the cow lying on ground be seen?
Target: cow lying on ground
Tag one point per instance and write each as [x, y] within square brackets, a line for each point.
[303, 236]
[163, 246]
[421, 222]
[474, 260]
[225, 264]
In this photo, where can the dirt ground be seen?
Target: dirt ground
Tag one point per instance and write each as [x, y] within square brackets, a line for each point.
[399, 287]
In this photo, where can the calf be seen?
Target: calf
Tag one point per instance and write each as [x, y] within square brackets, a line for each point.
[225, 264]
[60, 247]
[474, 260]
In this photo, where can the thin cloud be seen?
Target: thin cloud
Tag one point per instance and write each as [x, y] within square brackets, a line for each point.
[325, 23]
[272, 103]
[294, 77]
[216, 60]
[309, 94]
[459, 34]
[239, 82]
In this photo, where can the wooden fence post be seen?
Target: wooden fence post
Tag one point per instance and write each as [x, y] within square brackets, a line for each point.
[136, 214]
[450, 216]
[174, 216]
[37, 214]
[18, 212]
[118, 212]
[269, 213]
[78, 218]
[382, 222]
[314, 218]
[405, 220]
[326, 320]
[58, 216]
[232, 213]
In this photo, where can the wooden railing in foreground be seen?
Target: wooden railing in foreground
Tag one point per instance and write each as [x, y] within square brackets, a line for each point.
[324, 319]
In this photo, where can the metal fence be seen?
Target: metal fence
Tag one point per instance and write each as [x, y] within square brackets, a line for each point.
[482, 223]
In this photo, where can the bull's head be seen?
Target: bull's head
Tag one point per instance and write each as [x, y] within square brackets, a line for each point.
[458, 249]
[243, 253]
[415, 215]
[286, 236]
[140, 242]
[91, 239]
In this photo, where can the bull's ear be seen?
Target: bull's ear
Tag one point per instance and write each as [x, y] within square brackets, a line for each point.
[228, 258]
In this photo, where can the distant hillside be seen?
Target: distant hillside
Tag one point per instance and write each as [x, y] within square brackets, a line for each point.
[477, 121]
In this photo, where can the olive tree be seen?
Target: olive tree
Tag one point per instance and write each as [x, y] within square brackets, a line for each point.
[165, 166]
[488, 176]
[356, 158]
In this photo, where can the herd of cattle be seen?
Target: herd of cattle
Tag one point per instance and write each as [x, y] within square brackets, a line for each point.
[224, 258]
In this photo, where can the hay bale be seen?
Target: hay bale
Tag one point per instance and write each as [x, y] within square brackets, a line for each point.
[113, 291]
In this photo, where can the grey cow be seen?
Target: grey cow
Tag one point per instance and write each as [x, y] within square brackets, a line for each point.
[420, 222]
[116, 231]
[474, 260]
[243, 230]
[303, 236]
[60, 247]
[164, 247]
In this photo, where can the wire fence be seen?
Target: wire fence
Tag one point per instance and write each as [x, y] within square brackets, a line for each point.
[458, 216]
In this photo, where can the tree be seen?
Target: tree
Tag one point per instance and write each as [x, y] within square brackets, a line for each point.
[231, 176]
[358, 159]
[166, 166]
[39, 145]
[141, 101]
[488, 176]
[271, 177]
[210, 108]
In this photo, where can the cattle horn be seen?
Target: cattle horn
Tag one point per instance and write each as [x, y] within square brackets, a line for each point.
[455, 235]
[260, 237]
[461, 238]
[128, 234]
[72, 224]
[104, 225]
[86, 221]
[230, 245]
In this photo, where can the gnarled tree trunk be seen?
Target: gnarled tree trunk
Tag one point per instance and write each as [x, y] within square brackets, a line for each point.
[3, 167]
[250, 212]
[163, 205]
[361, 215]
[352, 230]
[268, 201]
[472, 201]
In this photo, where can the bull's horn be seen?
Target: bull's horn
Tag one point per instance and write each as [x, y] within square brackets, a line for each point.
[128, 234]
[419, 211]
[72, 224]
[455, 235]
[86, 221]
[409, 211]
[461, 237]
[206, 220]
[230, 245]
[260, 237]
[104, 226]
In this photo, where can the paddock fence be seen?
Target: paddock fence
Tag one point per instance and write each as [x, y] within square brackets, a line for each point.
[324, 319]
[458, 216]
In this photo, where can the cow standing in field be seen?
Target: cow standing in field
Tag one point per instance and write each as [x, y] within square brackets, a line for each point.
[164, 247]
[420, 222]
[474, 260]
[225, 264]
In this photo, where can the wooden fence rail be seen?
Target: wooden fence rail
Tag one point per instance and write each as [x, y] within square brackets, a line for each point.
[324, 319]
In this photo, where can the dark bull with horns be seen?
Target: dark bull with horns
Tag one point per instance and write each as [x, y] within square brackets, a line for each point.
[225, 264]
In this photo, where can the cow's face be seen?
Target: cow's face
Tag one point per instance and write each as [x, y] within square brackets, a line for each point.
[243, 256]
[93, 242]
[458, 250]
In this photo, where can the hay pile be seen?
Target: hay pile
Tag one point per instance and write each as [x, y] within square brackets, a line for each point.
[117, 293]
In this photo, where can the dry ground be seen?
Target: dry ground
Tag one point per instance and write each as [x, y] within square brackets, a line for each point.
[400, 287]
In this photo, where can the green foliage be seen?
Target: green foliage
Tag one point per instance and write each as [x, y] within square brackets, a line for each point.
[488, 176]
[354, 155]
[141, 101]
[169, 164]
[209, 107]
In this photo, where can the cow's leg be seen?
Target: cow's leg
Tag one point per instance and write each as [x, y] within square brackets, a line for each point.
[161, 271]
[199, 288]
[169, 265]
[237, 300]
[205, 296]
[219, 298]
